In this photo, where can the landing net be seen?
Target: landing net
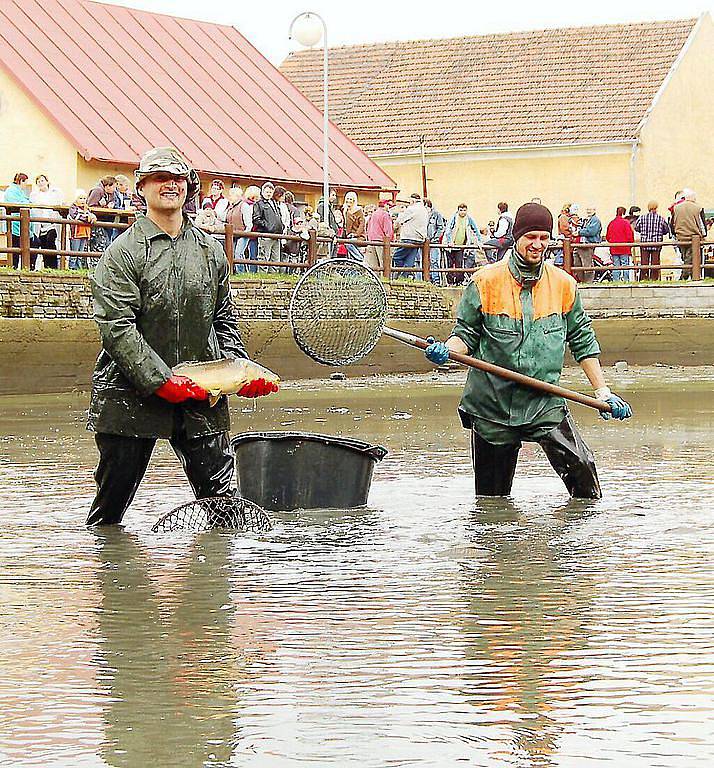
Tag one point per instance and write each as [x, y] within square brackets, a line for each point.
[228, 512]
[337, 311]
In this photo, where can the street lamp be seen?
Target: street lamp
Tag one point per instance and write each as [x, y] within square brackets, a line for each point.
[308, 28]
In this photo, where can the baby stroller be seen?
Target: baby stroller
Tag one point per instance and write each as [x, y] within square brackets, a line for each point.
[602, 258]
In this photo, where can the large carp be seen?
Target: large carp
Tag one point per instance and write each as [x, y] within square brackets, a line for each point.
[228, 377]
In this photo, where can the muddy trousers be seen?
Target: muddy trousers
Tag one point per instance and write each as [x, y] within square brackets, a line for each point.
[207, 462]
[570, 457]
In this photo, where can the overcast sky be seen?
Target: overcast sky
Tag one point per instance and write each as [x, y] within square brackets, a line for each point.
[265, 22]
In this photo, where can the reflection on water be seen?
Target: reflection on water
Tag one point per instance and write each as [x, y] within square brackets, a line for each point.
[429, 629]
[179, 677]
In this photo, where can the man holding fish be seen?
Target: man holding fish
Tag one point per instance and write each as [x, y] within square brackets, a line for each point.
[170, 346]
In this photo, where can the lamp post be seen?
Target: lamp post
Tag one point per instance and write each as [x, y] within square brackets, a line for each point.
[308, 29]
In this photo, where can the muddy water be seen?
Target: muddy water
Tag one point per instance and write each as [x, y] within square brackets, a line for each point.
[430, 629]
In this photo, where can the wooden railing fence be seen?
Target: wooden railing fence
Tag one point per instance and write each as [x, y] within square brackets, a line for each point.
[313, 247]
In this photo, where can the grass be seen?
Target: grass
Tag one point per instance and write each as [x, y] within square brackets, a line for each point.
[649, 283]
[25, 272]
[274, 277]
[293, 277]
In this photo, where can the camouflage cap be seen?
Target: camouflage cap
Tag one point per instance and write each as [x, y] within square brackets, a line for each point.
[167, 160]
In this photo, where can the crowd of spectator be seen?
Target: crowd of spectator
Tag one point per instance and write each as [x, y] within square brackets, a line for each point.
[112, 193]
[685, 219]
[456, 242]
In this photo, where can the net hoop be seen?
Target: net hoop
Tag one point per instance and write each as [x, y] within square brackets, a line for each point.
[231, 513]
[337, 311]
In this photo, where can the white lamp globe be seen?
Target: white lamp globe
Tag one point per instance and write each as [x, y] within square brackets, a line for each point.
[307, 29]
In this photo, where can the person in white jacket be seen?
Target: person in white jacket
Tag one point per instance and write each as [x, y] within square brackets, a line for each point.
[47, 234]
[502, 240]
[246, 244]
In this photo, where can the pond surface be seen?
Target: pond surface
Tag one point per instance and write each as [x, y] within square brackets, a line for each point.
[429, 629]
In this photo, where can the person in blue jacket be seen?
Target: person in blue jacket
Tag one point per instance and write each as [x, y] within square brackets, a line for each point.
[590, 232]
[16, 194]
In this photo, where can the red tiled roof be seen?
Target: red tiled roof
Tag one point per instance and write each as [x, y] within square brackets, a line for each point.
[558, 86]
[119, 81]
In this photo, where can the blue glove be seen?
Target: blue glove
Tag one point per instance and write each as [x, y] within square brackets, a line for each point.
[620, 409]
[437, 352]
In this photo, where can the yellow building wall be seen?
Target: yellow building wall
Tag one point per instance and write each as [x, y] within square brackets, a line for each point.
[30, 143]
[89, 172]
[677, 140]
[600, 179]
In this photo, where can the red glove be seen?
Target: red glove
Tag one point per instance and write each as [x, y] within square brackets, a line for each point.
[179, 389]
[258, 388]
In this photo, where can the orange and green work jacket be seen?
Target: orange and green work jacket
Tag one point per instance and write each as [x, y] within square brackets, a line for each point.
[521, 322]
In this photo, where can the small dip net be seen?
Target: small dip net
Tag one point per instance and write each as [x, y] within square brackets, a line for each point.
[337, 311]
[227, 512]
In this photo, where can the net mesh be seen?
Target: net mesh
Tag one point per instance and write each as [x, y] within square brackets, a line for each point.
[337, 311]
[227, 512]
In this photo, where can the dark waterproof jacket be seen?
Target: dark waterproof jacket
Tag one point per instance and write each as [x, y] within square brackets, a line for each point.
[158, 302]
[436, 227]
[266, 217]
[332, 221]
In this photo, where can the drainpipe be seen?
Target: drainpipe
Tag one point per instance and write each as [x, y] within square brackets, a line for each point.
[424, 191]
[633, 173]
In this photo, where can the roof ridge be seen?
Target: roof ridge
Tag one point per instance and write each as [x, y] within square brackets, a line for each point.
[500, 35]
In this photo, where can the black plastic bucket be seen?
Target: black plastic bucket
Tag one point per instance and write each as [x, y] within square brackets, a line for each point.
[299, 470]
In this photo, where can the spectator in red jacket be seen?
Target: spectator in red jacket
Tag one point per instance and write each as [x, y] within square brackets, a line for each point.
[619, 230]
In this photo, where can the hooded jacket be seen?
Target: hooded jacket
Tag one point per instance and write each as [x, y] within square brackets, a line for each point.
[159, 301]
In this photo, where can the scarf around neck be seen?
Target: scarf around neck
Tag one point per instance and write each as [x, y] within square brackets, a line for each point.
[526, 274]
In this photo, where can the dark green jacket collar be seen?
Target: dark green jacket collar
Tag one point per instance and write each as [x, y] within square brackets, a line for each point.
[150, 231]
[520, 275]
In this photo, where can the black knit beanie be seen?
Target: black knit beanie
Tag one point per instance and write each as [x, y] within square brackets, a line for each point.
[532, 217]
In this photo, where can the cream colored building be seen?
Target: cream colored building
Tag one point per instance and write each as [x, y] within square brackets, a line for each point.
[608, 115]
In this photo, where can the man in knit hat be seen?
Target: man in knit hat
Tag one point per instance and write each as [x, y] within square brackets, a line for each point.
[519, 313]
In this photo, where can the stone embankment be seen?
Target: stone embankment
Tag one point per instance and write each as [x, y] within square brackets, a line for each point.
[60, 296]
[48, 341]
[649, 301]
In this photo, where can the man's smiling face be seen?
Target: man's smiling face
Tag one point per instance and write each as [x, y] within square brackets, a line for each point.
[164, 192]
[532, 246]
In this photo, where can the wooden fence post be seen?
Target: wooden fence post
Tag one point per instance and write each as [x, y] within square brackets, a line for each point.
[567, 256]
[696, 257]
[25, 238]
[312, 248]
[63, 245]
[228, 246]
[387, 259]
[425, 260]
